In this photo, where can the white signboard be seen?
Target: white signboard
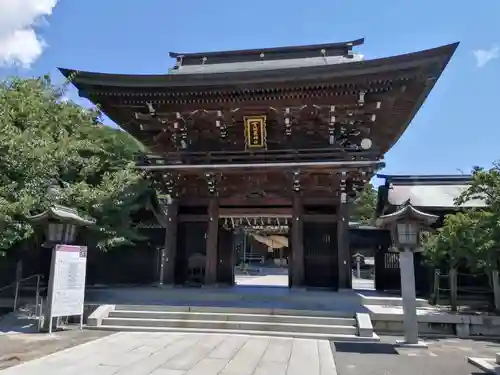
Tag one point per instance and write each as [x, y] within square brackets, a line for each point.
[68, 280]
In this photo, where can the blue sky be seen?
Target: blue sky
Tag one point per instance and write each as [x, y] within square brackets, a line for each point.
[457, 128]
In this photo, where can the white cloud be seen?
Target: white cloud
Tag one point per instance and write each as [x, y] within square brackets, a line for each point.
[484, 56]
[19, 43]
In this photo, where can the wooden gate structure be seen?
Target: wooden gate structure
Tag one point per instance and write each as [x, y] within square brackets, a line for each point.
[292, 130]
[320, 255]
[388, 273]
[225, 256]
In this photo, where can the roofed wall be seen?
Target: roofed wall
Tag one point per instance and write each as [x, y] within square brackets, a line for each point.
[429, 193]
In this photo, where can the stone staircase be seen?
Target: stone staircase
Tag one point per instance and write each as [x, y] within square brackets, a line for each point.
[329, 325]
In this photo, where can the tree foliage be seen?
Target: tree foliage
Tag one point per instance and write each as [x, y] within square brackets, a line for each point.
[459, 241]
[485, 186]
[471, 236]
[364, 206]
[45, 139]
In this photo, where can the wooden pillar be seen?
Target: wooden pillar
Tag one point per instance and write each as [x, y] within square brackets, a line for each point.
[344, 261]
[170, 245]
[297, 241]
[347, 244]
[212, 241]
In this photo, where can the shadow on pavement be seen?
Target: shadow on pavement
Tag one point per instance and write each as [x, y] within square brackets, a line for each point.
[493, 341]
[18, 322]
[364, 348]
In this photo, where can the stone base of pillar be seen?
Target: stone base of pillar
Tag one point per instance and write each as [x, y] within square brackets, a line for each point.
[463, 330]
[405, 344]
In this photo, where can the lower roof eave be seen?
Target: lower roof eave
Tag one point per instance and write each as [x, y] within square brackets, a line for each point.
[290, 165]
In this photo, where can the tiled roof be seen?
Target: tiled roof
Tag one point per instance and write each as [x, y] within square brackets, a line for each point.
[438, 191]
[265, 65]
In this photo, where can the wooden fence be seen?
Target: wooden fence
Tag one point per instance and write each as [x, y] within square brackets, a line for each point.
[388, 276]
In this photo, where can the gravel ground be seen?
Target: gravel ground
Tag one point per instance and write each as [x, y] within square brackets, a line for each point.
[442, 357]
[20, 347]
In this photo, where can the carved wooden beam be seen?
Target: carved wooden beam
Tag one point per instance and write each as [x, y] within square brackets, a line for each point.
[164, 182]
[296, 181]
[221, 124]
[343, 187]
[288, 120]
[212, 180]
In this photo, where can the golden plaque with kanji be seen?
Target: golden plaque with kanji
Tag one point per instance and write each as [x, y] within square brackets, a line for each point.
[255, 131]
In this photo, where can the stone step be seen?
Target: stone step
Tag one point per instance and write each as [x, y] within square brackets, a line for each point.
[232, 325]
[332, 325]
[235, 310]
[233, 317]
[305, 335]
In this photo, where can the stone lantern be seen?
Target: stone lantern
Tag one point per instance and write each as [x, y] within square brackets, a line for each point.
[406, 225]
[60, 224]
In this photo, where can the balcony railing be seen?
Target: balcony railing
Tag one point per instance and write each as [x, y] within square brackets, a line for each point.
[258, 156]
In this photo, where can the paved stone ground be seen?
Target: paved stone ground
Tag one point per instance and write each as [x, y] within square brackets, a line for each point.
[266, 280]
[128, 353]
[16, 348]
[443, 357]
[205, 354]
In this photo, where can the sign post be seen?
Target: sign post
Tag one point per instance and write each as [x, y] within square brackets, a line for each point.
[66, 293]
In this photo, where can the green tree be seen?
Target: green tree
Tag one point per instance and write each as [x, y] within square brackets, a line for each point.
[460, 241]
[472, 236]
[45, 139]
[485, 187]
[364, 206]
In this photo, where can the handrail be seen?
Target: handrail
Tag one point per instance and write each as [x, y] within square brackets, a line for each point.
[17, 283]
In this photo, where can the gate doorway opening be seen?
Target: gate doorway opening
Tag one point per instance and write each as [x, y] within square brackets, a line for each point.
[365, 242]
[260, 250]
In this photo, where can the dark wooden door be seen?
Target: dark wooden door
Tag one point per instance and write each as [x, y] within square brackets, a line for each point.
[225, 255]
[191, 240]
[320, 255]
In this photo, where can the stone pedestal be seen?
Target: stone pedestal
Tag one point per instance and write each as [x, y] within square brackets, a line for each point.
[409, 297]
[463, 330]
